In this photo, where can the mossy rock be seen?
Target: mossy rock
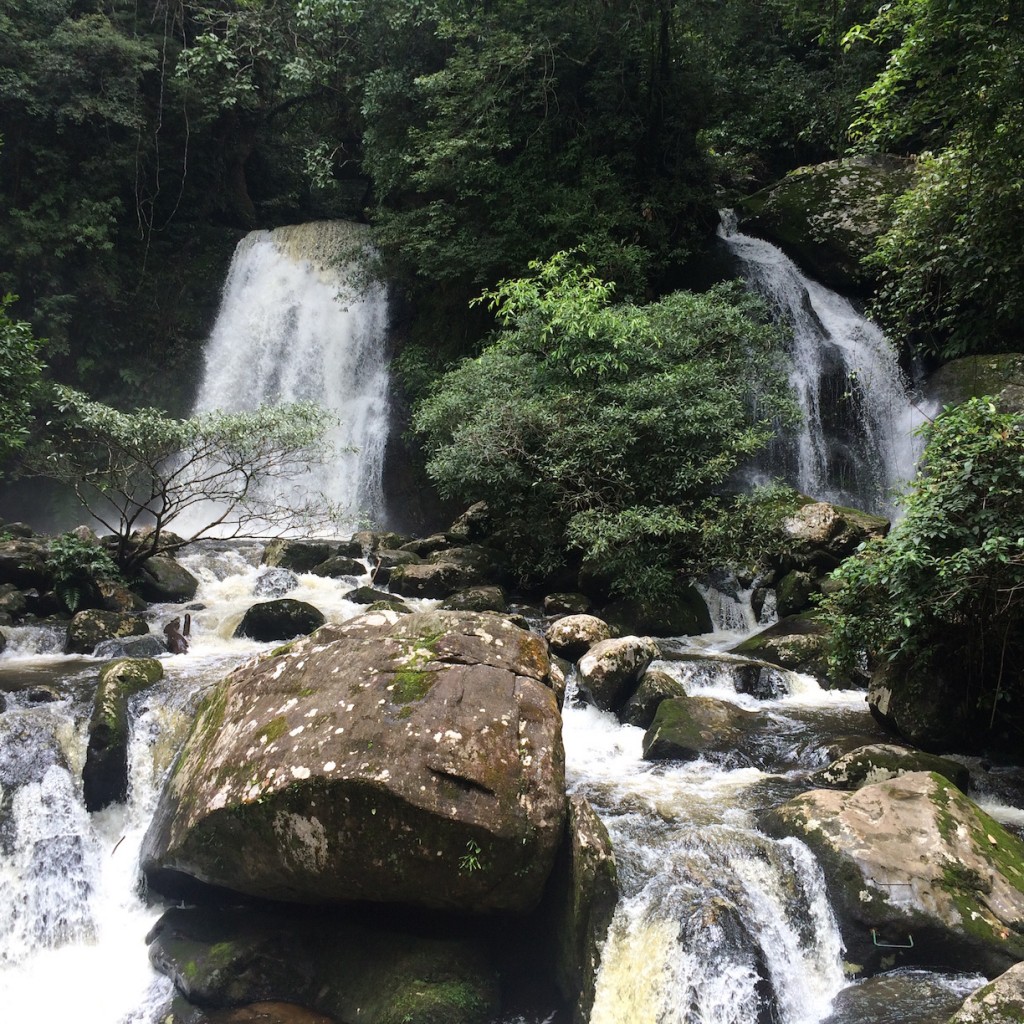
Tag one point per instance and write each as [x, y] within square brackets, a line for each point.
[1001, 376]
[881, 761]
[105, 774]
[477, 599]
[339, 565]
[280, 620]
[999, 1002]
[828, 217]
[162, 580]
[297, 555]
[686, 728]
[655, 686]
[87, 628]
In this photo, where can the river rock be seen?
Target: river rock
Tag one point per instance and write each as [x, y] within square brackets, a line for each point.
[477, 599]
[297, 555]
[401, 759]
[434, 579]
[820, 535]
[574, 635]
[586, 881]
[105, 775]
[115, 597]
[352, 970]
[799, 644]
[917, 873]
[686, 728]
[275, 582]
[421, 547]
[339, 565]
[162, 580]
[927, 709]
[999, 1002]
[374, 540]
[655, 687]
[88, 628]
[280, 620]
[881, 761]
[149, 646]
[368, 595]
[23, 563]
[611, 669]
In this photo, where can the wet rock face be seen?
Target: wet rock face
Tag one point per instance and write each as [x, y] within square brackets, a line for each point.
[409, 759]
[917, 873]
[686, 728]
[163, 579]
[881, 761]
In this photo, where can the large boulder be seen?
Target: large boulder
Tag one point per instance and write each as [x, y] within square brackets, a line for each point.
[105, 775]
[820, 535]
[434, 579]
[655, 686]
[999, 1002]
[686, 728]
[88, 628]
[274, 581]
[163, 580]
[878, 762]
[684, 613]
[798, 643]
[477, 599]
[827, 217]
[352, 970]
[279, 620]
[927, 708]
[409, 759]
[573, 635]
[917, 873]
[610, 671]
[339, 565]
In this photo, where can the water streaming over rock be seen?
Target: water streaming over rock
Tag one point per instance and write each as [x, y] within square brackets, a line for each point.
[856, 443]
[299, 322]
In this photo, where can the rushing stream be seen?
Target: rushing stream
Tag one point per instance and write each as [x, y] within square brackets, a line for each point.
[717, 924]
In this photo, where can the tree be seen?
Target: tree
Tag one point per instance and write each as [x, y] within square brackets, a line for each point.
[604, 427]
[214, 472]
[20, 377]
[942, 597]
[952, 92]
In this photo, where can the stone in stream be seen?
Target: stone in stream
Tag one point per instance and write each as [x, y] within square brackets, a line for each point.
[275, 582]
[917, 873]
[610, 670]
[655, 686]
[880, 761]
[296, 555]
[339, 565]
[686, 728]
[105, 775]
[90, 627]
[280, 620]
[477, 599]
[409, 759]
[161, 580]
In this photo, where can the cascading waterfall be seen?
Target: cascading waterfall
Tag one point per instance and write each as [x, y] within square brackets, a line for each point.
[856, 444]
[298, 323]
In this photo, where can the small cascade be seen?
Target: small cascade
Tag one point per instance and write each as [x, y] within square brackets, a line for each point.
[856, 444]
[298, 323]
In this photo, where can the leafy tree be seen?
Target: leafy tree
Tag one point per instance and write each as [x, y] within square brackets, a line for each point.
[604, 427]
[20, 377]
[952, 92]
[943, 595]
[213, 472]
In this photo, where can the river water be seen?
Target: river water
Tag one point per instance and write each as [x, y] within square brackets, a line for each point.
[717, 924]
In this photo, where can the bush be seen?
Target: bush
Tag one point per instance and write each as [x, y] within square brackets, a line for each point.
[605, 427]
[943, 594]
[78, 567]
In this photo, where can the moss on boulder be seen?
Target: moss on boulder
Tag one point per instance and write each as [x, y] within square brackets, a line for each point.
[87, 628]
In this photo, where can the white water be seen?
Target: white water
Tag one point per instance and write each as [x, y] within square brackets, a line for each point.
[856, 443]
[718, 924]
[297, 323]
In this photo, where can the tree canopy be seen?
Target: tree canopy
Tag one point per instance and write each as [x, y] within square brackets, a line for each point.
[604, 427]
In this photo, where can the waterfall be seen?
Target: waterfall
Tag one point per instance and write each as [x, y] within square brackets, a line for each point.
[296, 323]
[856, 444]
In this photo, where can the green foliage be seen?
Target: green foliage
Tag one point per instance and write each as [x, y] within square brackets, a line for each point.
[20, 376]
[603, 426]
[953, 92]
[77, 566]
[944, 592]
[213, 471]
